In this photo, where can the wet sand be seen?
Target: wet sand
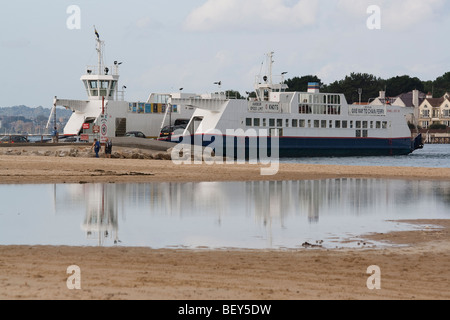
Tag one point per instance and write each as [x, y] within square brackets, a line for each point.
[418, 270]
[35, 169]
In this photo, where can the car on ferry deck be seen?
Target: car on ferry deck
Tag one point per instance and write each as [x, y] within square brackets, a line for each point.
[136, 134]
[168, 131]
[14, 139]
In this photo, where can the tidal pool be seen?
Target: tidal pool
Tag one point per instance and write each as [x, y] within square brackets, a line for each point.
[244, 215]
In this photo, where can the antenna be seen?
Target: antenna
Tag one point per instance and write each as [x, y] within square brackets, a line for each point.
[271, 65]
[100, 44]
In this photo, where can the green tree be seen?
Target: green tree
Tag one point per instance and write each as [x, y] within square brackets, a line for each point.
[441, 85]
[401, 84]
[233, 94]
[428, 86]
[370, 85]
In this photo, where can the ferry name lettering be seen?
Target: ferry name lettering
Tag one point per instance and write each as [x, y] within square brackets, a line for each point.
[367, 111]
[273, 107]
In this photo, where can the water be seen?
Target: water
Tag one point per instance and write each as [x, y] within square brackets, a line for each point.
[432, 156]
[253, 215]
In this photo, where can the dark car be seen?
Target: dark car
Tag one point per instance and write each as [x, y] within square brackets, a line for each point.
[181, 122]
[14, 139]
[136, 134]
[168, 131]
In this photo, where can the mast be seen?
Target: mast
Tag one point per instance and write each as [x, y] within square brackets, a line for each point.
[264, 84]
[100, 45]
[270, 57]
[101, 81]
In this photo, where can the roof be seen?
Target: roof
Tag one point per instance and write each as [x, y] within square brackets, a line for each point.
[435, 102]
[407, 98]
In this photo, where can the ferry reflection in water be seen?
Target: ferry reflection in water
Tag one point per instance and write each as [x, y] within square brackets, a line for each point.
[248, 214]
[101, 212]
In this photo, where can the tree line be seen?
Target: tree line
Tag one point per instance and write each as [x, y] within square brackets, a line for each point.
[372, 85]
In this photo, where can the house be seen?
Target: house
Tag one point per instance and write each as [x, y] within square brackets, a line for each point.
[411, 99]
[435, 111]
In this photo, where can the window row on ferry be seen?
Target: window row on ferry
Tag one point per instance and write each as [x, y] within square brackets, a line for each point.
[327, 124]
[138, 107]
[319, 109]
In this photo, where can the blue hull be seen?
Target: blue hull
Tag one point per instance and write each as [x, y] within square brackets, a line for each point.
[340, 147]
[293, 147]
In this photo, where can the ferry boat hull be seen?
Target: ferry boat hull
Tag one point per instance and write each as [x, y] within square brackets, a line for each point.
[303, 147]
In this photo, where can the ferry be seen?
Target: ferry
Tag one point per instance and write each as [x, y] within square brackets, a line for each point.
[305, 124]
[106, 114]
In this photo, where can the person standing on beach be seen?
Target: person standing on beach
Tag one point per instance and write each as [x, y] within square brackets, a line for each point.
[96, 146]
[108, 148]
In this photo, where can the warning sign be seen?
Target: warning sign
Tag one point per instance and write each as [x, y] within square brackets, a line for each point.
[103, 133]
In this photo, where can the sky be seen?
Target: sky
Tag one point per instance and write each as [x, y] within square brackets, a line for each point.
[172, 44]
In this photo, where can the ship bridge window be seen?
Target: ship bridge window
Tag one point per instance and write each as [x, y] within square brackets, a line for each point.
[294, 123]
[256, 122]
[104, 86]
[344, 124]
[248, 122]
[301, 123]
[113, 88]
[86, 86]
[271, 122]
[93, 85]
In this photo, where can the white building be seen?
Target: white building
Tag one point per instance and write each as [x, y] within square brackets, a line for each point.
[412, 99]
[435, 111]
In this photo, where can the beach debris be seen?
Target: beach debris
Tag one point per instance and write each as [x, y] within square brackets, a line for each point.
[84, 152]
[309, 245]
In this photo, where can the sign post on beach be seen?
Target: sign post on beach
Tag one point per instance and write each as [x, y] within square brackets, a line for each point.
[104, 129]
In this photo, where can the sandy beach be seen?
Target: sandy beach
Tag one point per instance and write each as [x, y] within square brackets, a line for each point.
[418, 269]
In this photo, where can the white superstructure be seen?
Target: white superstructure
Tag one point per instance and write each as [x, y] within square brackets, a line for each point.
[105, 110]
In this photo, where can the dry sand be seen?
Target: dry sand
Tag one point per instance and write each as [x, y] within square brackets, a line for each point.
[418, 270]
